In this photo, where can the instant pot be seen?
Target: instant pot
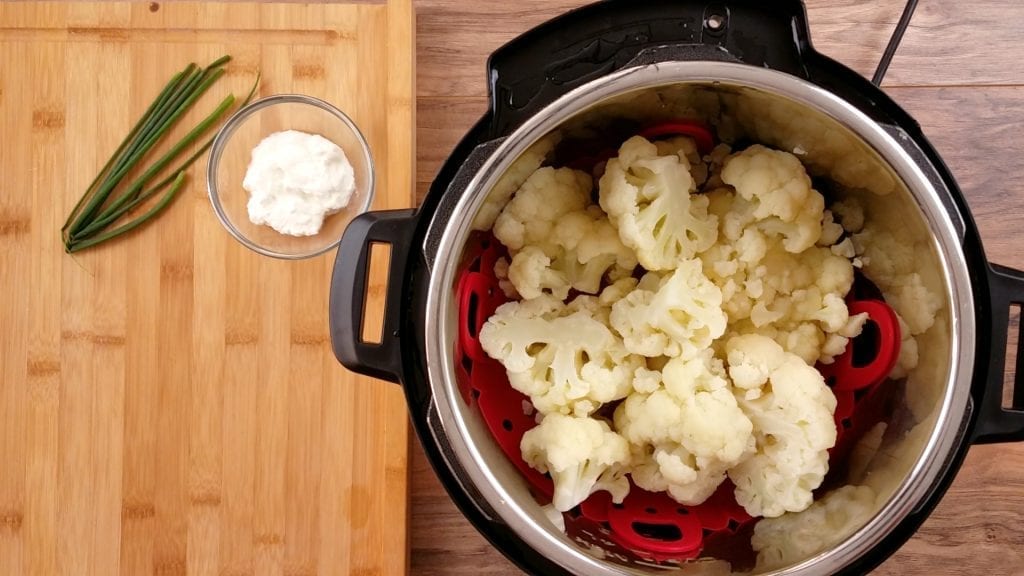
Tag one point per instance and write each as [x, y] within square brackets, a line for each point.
[747, 68]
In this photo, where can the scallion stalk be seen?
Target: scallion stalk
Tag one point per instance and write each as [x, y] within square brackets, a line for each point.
[109, 199]
[155, 210]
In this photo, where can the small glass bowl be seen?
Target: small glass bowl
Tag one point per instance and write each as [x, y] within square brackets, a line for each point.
[231, 153]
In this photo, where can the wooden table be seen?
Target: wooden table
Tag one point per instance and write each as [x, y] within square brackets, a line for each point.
[959, 71]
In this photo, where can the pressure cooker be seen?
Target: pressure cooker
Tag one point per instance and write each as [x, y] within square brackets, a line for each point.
[748, 69]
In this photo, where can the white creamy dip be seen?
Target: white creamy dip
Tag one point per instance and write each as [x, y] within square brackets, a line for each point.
[295, 179]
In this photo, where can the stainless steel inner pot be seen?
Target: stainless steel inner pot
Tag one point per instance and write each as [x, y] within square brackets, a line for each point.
[835, 140]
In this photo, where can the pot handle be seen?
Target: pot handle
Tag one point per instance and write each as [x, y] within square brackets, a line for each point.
[996, 423]
[381, 360]
[552, 59]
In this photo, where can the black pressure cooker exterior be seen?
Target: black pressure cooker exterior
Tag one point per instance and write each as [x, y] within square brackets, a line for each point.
[543, 64]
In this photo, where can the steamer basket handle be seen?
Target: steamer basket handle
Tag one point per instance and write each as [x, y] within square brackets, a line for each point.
[996, 423]
[381, 360]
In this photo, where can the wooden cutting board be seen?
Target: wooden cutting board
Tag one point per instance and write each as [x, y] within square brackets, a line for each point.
[169, 402]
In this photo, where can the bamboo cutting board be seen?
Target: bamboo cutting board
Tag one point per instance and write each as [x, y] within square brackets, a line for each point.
[169, 402]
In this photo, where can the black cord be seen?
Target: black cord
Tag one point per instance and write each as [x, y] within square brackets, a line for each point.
[894, 42]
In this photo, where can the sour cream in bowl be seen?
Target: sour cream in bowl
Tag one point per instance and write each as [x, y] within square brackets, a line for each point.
[287, 174]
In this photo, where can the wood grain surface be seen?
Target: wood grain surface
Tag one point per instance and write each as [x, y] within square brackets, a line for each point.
[959, 71]
[169, 403]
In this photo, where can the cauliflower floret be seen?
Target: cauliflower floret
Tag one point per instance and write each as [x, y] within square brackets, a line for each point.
[681, 316]
[850, 213]
[891, 260]
[582, 455]
[908, 358]
[831, 232]
[531, 274]
[557, 242]
[649, 198]
[715, 161]
[844, 249]
[791, 538]
[686, 149]
[792, 412]
[752, 360]
[804, 340]
[543, 199]
[646, 381]
[616, 291]
[591, 248]
[836, 343]
[780, 195]
[896, 259]
[501, 266]
[564, 357]
[795, 299]
[512, 179]
[686, 434]
[916, 303]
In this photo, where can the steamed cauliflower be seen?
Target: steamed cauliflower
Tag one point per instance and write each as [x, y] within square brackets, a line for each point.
[908, 358]
[686, 149]
[782, 541]
[778, 195]
[531, 274]
[557, 242]
[797, 299]
[543, 199]
[583, 455]
[891, 254]
[591, 249]
[792, 410]
[687, 432]
[501, 266]
[715, 161]
[649, 198]
[563, 357]
[511, 180]
[679, 314]
[708, 348]
[891, 260]
[850, 214]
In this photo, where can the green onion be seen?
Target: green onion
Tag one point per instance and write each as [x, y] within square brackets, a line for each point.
[132, 149]
[120, 149]
[178, 181]
[109, 198]
[119, 208]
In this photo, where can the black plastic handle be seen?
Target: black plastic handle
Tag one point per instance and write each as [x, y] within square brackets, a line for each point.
[348, 293]
[543, 64]
[995, 423]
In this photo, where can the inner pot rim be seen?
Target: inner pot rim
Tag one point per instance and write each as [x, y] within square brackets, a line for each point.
[439, 324]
